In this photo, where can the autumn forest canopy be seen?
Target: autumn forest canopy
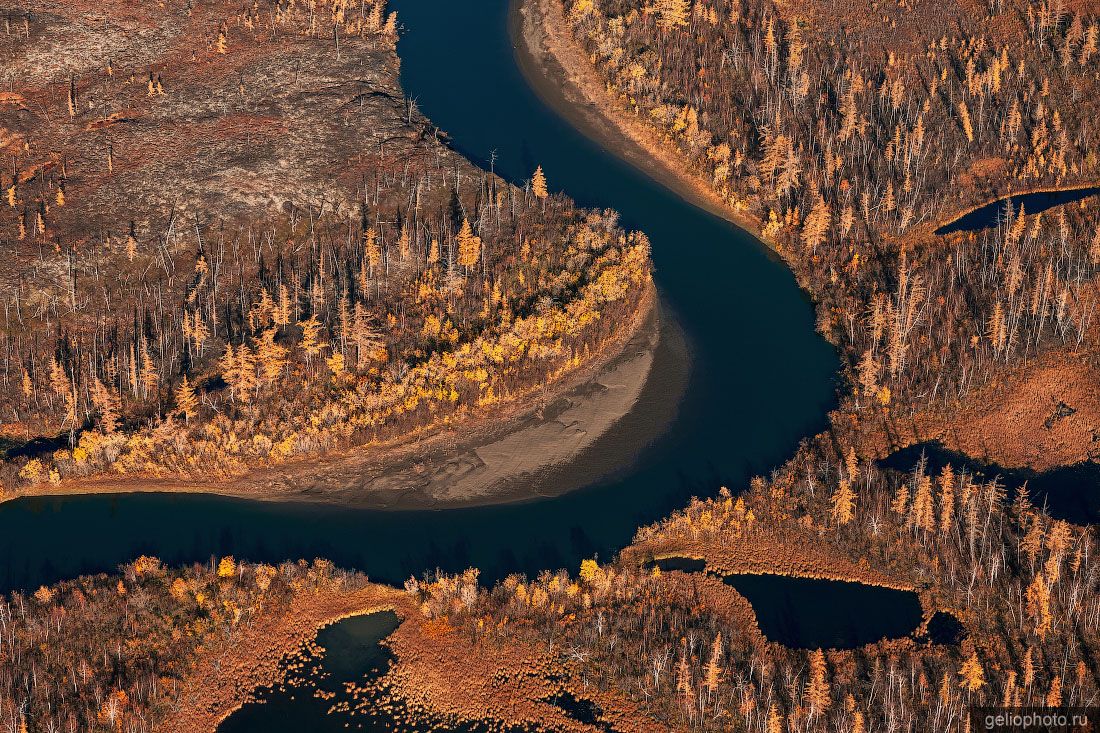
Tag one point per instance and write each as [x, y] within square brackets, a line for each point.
[236, 249]
[258, 251]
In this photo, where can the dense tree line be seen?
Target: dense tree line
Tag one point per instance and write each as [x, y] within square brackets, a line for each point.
[851, 141]
[1023, 585]
[167, 319]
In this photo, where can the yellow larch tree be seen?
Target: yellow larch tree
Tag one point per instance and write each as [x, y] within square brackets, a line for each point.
[538, 184]
[923, 510]
[311, 337]
[107, 404]
[272, 356]
[775, 720]
[283, 310]
[469, 246]
[227, 567]
[1038, 606]
[964, 120]
[187, 404]
[868, 373]
[366, 338]
[714, 666]
[336, 364]
[817, 223]
[817, 692]
[972, 674]
[843, 502]
[243, 378]
[150, 378]
[900, 503]
[1054, 697]
[373, 250]
[947, 498]
[672, 14]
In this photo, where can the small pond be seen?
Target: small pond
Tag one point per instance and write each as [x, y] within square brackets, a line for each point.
[684, 564]
[943, 628]
[807, 613]
[352, 654]
[316, 699]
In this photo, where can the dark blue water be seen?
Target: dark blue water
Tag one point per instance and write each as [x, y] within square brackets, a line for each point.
[808, 613]
[991, 214]
[352, 655]
[760, 378]
[944, 628]
[1071, 493]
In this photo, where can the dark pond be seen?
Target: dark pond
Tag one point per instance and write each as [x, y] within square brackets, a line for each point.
[685, 564]
[583, 711]
[758, 378]
[352, 654]
[810, 613]
[807, 613]
[1071, 493]
[993, 213]
[944, 628]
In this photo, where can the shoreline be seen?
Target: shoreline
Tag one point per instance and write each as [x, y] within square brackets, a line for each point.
[557, 67]
[477, 461]
[1064, 188]
[558, 70]
[224, 682]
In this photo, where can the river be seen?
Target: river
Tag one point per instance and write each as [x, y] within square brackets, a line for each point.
[735, 326]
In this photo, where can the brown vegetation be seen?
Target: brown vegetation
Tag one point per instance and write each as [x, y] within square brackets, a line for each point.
[1044, 415]
[846, 137]
[687, 649]
[233, 244]
[159, 649]
[850, 133]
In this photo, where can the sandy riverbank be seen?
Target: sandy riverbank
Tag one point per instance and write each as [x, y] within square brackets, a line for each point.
[560, 72]
[485, 459]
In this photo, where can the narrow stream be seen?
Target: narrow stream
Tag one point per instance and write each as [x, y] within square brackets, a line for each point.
[1034, 203]
[737, 330]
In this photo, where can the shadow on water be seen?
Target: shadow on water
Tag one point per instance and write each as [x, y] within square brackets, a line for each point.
[760, 377]
[1071, 493]
[808, 613]
[992, 213]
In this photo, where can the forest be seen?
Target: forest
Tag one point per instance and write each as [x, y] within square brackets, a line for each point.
[323, 272]
[687, 647]
[653, 649]
[850, 133]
